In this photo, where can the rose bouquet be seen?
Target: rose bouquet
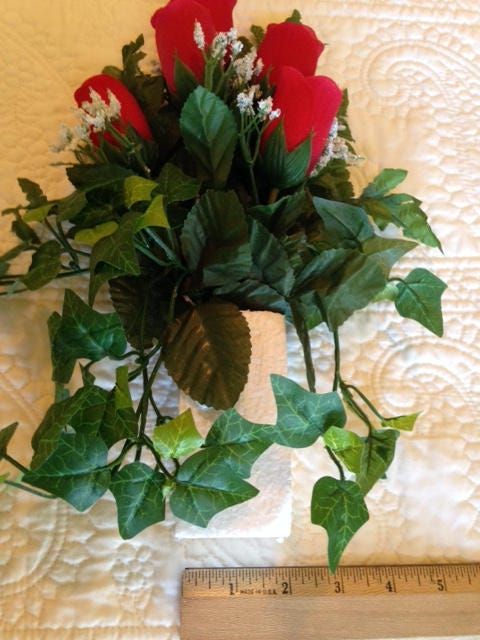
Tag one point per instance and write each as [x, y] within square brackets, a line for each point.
[216, 185]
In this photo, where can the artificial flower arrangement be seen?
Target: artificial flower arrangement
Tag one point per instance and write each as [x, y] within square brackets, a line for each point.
[217, 185]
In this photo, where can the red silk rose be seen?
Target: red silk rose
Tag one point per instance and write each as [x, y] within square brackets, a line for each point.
[308, 106]
[290, 44]
[174, 26]
[130, 111]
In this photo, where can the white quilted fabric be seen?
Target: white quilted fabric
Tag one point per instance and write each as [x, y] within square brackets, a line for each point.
[412, 67]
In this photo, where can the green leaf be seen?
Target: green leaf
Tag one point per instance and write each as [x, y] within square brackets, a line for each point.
[271, 264]
[377, 456]
[138, 189]
[363, 278]
[154, 216]
[82, 332]
[6, 434]
[175, 185]
[404, 423]
[302, 416]
[215, 238]
[210, 134]
[207, 353]
[338, 506]
[138, 492]
[419, 298]
[205, 487]
[72, 205]
[296, 17]
[387, 180]
[45, 266]
[178, 437]
[343, 222]
[319, 273]
[346, 445]
[185, 80]
[258, 34]
[254, 295]
[76, 471]
[333, 182]
[90, 237]
[38, 214]
[285, 169]
[92, 176]
[237, 442]
[24, 232]
[33, 192]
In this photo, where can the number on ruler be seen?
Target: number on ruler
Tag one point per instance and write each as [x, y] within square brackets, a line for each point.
[389, 586]
[338, 587]
[284, 587]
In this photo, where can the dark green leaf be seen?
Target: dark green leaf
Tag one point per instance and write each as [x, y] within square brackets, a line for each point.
[178, 437]
[89, 177]
[175, 185]
[270, 260]
[342, 117]
[253, 295]
[377, 456]
[387, 180]
[185, 80]
[24, 232]
[333, 182]
[404, 423]
[338, 506]
[38, 214]
[258, 34]
[285, 169]
[33, 192]
[45, 265]
[343, 222]
[419, 298]
[207, 353]
[280, 216]
[76, 471]
[210, 134]
[346, 445]
[6, 434]
[296, 17]
[302, 416]
[319, 273]
[72, 205]
[83, 333]
[138, 492]
[205, 487]
[215, 238]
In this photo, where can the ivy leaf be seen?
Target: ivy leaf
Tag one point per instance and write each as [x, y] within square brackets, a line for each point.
[207, 353]
[302, 416]
[387, 180]
[210, 134]
[6, 434]
[404, 423]
[154, 216]
[138, 492]
[254, 295]
[205, 487]
[68, 208]
[237, 442]
[178, 437]
[33, 192]
[346, 445]
[419, 298]
[76, 471]
[24, 232]
[45, 265]
[82, 332]
[90, 237]
[338, 506]
[377, 456]
[93, 176]
[285, 169]
[39, 213]
[175, 185]
[138, 189]
[215, 238]
[364, 277]
[333, 182]
[271, 264]
[344, 223]
[319, 274]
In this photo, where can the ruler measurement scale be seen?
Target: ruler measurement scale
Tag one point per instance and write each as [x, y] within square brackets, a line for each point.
[285, 603]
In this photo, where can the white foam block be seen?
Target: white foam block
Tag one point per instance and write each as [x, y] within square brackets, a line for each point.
[269, 513]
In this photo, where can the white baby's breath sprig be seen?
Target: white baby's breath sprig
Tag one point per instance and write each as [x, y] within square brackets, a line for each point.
[244, 67]
[199, 35]
[336, 148]
[65, 139]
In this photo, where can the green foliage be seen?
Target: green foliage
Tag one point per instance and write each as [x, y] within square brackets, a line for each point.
[270, 260]
[419, 298]
[178, 437]
[258, 34]
[345, 224]
[404, 423]
[33, 193]
[206, 486]
[82, 332]
[210, 134]
[175, 185]
[76, 471]
[6, 434]
[45, 266]
[338, 506]
[302, 416]
[90, 237]
[377, 456]
[346, 445]
[295, 17]
[285, 169]
[387, 180]
[138, 492]
[185, 80]
[207, 353]
[137, 189]
[333, 182]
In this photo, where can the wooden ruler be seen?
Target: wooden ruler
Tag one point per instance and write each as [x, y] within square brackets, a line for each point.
[309, 603]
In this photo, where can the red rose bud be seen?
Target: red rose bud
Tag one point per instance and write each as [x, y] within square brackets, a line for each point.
[129, 112]
[174, 27]
[290, 44]
[308, 107]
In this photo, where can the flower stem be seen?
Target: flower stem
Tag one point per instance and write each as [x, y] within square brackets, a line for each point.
[14, 463]
[336, 377]
[24, 487]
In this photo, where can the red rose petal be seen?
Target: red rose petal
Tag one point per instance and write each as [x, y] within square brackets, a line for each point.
[290, 44]
[221, 12]
[327, 98]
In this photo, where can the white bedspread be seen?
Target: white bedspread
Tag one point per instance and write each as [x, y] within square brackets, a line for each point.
[412, 68]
